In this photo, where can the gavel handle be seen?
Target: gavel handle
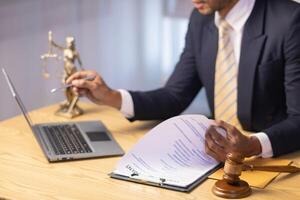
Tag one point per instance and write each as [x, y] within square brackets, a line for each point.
[272, 168]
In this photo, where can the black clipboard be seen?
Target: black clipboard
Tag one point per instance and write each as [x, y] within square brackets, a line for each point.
[160, 183]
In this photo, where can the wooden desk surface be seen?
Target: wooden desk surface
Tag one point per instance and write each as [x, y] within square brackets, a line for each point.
[26, 174]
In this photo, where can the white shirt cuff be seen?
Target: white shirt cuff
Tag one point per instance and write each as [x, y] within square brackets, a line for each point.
[127, 108]
[266, 147]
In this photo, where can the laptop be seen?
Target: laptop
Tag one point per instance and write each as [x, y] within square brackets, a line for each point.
[71, 140]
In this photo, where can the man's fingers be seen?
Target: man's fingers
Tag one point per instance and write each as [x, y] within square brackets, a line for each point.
[79, 91]
[84, 84]
[82, 92]
[76, 75]
[212, 153]
[76, 91]
[79, 75]
[223, 124]
[231, 130]
[214, 146]
[216, 136]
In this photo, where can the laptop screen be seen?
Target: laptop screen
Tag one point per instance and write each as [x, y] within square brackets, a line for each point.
[17, 98]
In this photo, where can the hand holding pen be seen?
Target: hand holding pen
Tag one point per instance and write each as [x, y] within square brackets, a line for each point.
[88, 78]
[94, 89]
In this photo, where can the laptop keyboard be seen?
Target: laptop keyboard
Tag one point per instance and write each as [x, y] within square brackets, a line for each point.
[66, 139]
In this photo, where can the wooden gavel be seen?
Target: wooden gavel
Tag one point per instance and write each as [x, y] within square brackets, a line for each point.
[231, 186]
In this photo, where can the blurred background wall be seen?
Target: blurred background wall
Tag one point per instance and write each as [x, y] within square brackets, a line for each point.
[134, 44]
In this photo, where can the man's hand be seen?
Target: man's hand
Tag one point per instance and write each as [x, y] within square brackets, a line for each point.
[96, 90]
[218, 146]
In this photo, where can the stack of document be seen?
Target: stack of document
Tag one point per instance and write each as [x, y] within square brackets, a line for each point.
[171, 155]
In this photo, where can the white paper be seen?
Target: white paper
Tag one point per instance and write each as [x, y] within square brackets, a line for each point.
[174, 150]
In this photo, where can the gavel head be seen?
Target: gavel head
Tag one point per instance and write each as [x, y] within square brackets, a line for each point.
[233, 167]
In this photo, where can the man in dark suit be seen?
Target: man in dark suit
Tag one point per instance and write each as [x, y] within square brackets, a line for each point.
[246, 53]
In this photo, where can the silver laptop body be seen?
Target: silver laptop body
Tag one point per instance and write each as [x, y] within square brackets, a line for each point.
[71, 140]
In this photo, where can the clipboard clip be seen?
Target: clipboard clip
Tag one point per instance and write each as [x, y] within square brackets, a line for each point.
[148, 179]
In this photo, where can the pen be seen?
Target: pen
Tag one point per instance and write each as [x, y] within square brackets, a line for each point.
[88, 78]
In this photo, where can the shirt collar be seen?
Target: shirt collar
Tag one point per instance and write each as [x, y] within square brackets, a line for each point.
[238, 15]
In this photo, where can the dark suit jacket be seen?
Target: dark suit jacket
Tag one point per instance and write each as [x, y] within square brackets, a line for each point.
[268, 77]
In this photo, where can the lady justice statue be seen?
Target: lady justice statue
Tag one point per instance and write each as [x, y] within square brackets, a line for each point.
[69, 107]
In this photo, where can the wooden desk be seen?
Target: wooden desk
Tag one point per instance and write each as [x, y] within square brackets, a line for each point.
[26, 174]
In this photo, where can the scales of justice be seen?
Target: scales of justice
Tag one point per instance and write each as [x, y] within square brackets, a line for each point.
[69, 107]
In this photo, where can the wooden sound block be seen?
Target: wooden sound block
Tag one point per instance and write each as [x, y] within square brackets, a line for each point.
[239, 189]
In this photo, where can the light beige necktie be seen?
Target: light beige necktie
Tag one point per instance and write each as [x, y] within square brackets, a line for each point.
[226, 78]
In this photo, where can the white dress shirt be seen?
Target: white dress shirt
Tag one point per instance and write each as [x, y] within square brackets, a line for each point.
[237, 18]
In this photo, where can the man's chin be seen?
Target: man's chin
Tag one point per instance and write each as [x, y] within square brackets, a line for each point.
[205, 11]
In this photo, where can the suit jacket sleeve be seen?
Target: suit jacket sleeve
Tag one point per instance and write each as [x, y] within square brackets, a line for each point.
[285, 135]
[179, 91]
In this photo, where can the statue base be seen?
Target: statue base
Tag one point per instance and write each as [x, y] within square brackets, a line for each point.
[64, 111]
